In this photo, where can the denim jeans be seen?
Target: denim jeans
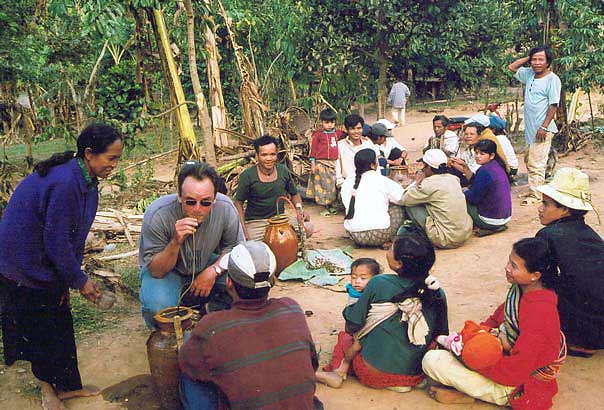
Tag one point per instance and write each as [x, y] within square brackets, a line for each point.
[197, 395]
[157, 294]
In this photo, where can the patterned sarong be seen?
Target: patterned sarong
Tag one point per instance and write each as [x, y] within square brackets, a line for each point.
[322, 185]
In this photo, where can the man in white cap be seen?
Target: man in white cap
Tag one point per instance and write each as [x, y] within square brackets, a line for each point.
[437, 204]
[260, 353]
[579, 253]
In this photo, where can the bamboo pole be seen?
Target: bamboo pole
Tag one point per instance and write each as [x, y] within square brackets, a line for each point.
[188, 142]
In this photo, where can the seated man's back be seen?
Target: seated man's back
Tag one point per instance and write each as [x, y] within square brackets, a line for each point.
[258, 354]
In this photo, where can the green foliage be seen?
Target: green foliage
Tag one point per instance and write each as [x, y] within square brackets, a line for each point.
[131, 278]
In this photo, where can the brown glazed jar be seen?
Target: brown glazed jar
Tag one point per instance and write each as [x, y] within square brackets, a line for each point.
[162, 353]
[281, 238]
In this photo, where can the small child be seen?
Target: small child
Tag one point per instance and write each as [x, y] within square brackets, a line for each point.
[323, 156]
[334, 374]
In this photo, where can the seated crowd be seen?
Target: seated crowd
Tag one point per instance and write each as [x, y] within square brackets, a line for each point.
[394, 323]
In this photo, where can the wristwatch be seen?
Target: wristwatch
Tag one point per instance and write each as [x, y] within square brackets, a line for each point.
[218, 270]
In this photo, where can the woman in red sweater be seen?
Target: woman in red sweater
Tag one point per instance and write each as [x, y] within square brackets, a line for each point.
[527, 323]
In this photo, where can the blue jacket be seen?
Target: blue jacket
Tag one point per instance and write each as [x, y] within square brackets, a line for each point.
[44, 228]
[490, 192]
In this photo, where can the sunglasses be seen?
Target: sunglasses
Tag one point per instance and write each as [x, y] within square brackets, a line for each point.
[203, 202]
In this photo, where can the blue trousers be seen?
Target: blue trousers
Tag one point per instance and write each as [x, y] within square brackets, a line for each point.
[157, 294]
[197, 395]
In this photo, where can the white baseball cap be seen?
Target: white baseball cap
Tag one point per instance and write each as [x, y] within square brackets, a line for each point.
[389, 125]
[434, 158]
[480, 119]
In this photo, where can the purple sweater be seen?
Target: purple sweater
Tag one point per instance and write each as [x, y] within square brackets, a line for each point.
[44, 228]
[490, 192]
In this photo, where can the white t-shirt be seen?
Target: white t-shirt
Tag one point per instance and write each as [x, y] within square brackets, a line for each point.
[346, 152]
[508, 150]
[374, 194]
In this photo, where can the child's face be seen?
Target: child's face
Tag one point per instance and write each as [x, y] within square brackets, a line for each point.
[360, 276]
[516, 272]
[328, 125]
[482, 157]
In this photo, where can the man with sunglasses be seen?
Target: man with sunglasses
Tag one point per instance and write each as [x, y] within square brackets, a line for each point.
[183, 239]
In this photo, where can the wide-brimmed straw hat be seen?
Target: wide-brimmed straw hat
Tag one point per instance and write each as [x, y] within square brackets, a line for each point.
[569, 187]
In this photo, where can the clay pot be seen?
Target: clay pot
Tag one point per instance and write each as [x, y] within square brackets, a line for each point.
[281, 238]
[162, 353]
[400, 175]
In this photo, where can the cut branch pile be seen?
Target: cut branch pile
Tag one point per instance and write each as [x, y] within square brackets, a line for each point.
[117, 226]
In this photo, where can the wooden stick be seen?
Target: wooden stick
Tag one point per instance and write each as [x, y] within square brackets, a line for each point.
[120, 218]
[117, 256]
[151, 158]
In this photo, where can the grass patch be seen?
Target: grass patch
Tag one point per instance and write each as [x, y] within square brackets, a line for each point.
[148, 142]
[131, 278]
[88, 319]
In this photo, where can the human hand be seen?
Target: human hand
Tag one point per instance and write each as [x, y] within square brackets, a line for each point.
[419, 176]
[457, 163]
[90, 291]
[204, 282]
[404, 155]
[184, 227]
[541, 135]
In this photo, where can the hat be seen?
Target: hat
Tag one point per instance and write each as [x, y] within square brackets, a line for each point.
[497, 123]
[378, 129]
[248, 259]
[389, 125]
[479, 118]
[366, 130]
[434, 158]
[569, 187]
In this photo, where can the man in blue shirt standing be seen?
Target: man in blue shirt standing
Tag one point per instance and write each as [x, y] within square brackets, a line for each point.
[541, 99]
[398, 98]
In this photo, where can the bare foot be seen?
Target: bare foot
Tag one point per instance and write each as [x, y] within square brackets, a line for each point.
[449, 396]
[331, 379]
[50, 401]
[86, 391]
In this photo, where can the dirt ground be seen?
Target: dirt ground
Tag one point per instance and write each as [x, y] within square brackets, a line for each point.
[472, 276]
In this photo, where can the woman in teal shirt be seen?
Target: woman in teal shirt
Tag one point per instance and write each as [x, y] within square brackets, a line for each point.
[398, 316]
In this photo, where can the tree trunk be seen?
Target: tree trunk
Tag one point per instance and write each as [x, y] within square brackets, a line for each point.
[187, 143]
[200, 99]
[219, 111]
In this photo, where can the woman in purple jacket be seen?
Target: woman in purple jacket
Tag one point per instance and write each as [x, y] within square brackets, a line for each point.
[489, 197]
[42, 233]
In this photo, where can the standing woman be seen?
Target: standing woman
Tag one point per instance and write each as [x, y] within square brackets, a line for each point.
[42, 234]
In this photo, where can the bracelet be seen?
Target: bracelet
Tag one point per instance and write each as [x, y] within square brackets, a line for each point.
[543, 128]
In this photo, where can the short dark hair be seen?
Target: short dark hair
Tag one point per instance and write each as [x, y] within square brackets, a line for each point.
[442, 119]
[248, 293]
[489, 147]
[327, 115]
[571, 211]
[538, 257]
[371, 263]
[265, 140]
[350, 121]
[479, 127]
[549, 57]
[198, 170]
